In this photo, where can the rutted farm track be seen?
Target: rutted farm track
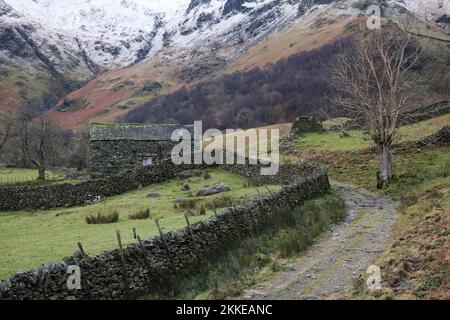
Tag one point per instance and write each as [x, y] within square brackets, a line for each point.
[328, 269]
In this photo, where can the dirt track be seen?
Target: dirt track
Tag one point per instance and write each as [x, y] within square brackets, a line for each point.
[329, 267]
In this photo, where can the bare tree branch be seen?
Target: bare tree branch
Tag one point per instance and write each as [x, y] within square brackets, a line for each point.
[373, 80]
[6, 126]
[39, 140]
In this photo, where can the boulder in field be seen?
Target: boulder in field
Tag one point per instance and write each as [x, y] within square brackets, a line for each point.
[215, 189]
[186, 174]
[153, 195]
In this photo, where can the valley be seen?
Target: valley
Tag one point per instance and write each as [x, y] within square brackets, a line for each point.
[95, 93]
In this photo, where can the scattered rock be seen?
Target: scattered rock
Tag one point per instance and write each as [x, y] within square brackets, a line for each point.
[250, 294]
[72, 173]
[309, 298]
[185, 187]
[185, 174]
[153, 195]
[95, 200]
[180, 200]
[218, 188]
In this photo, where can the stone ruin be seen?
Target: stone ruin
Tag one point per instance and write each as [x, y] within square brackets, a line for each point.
[304, 125]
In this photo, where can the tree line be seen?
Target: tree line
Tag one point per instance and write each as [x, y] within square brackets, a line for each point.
[297, 85]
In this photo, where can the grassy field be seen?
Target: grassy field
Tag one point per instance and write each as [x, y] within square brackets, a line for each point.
[220, 141]
[15, 175]
[32, 238]
[357, 140]
[412, 167]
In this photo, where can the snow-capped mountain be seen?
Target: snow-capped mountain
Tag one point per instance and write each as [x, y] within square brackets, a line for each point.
[130, 47]
[36, 64]
[113, 33]
[117, 33]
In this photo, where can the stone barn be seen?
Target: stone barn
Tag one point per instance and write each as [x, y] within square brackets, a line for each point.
[122, 146]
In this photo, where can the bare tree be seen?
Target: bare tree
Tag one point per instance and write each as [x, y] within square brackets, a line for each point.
[6, 126]
[39, 140]
[375, 84]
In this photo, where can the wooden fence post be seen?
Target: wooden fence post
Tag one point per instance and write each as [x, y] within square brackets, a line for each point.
[150, 269]
[166, 246]
[194, 243]
[270, 192]
[219, 236]
[266, 215]
[84, 282]
[236, 218]
[252, 220]
[80, 246]
[122, 258]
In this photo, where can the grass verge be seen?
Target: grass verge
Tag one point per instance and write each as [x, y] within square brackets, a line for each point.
[417, 264]
[255, 259]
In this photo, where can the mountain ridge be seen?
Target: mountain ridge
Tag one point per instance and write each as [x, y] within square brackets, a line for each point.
[187, 42]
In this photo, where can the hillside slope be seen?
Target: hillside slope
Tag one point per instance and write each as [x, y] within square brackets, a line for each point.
[36, 66]
[185, 63]
[154, 47]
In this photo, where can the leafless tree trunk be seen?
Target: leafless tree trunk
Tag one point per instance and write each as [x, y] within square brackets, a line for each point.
[374, 83]
[6, 125]
[39, 140]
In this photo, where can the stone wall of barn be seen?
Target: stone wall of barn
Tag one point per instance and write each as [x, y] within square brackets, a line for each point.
[107, 158]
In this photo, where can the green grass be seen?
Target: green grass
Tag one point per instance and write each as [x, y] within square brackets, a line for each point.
[32, 238]
[411, 169]
[14, 175]
[358, 140]
[332, 141]
[251, 261]
[422, 129]
[335, 122]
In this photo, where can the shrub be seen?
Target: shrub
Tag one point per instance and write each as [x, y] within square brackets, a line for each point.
[221, 202]
[140, 215]
[434, 194]
[444, 170]
[408, 200]
[187, 204]
[202, 211]
[103, 218]
[206, 175]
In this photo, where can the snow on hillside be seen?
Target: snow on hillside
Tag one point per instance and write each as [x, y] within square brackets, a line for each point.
[430, 9]
[113, 33]
[117, 33]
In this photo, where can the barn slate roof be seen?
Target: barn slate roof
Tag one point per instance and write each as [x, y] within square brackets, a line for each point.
[134, 131]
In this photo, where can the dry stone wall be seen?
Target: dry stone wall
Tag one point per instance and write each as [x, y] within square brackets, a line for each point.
[442, 137]
[409, 117]
[159, 263]
[23, 197]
